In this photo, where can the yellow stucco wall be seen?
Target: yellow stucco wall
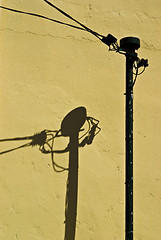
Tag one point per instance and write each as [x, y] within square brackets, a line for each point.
[46, 70]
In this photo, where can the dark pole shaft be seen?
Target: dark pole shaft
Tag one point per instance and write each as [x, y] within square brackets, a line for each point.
[129, 146]
[129, 45]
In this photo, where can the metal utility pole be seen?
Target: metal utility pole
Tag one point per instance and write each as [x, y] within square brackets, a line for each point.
[129, 45]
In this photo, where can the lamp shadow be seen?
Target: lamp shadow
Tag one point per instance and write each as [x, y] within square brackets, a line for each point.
[70, 127]
[72, 182]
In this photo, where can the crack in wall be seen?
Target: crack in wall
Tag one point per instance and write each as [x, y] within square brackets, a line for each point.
[75, 3]
[82, 38]
[149, 46]
[48, 35]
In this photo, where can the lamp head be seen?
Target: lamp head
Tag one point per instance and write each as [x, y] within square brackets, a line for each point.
[130, 43]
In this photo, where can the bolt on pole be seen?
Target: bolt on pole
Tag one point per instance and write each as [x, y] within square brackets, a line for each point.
[129, 44]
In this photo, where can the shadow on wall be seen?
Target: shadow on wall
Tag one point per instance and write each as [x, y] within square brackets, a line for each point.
[71, 126]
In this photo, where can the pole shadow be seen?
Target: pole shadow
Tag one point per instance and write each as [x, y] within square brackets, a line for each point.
[71, 126]
[72, 191]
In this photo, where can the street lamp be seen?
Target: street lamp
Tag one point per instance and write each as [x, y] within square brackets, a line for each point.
[128, 46]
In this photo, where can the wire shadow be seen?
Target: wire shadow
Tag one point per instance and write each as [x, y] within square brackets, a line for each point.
[70, 127]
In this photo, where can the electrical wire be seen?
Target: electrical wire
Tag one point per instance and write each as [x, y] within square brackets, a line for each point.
[115, 47]
[136, 74]
[41, 16]
[73, 19]
[83, 27]
[141, 71]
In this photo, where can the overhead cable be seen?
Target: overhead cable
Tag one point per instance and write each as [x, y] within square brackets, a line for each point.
[83, 27]
[73, 19]
[41, 16]
[104, 39]
[109, 40]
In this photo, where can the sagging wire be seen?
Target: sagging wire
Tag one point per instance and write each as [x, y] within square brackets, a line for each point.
[136, 74]
[137, 64]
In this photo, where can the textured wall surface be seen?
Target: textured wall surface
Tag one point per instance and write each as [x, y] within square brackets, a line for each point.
[47, 70]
